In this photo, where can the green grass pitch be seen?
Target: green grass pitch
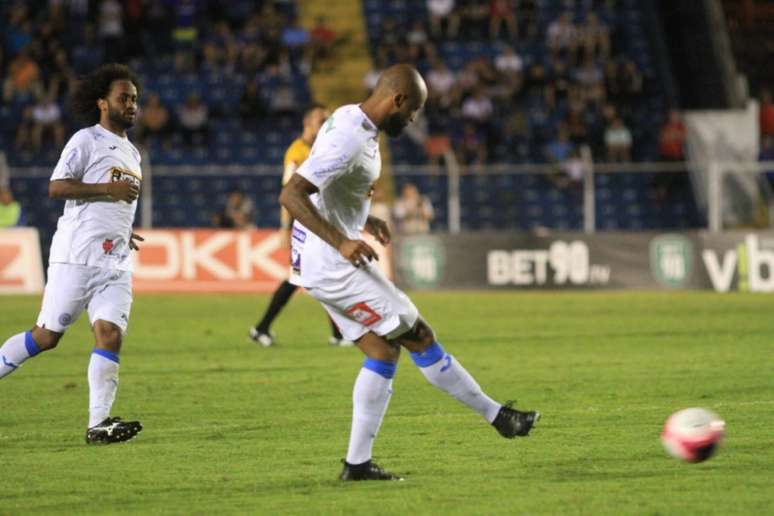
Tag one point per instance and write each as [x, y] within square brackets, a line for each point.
[234, 428]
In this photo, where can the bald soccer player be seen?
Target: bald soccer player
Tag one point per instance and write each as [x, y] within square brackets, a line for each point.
[328, 198]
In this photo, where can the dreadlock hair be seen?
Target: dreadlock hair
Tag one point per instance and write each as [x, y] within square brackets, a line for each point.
[96, 85]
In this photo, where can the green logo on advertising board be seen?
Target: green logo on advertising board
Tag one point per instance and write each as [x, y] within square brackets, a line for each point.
[421, 261]
[671, 259]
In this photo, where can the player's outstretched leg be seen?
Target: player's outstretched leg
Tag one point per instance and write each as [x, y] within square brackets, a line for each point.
[446, 373]
[261, 332]
[16, 350]
[370, 397]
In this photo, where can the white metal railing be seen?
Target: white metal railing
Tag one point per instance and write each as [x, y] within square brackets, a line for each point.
[455, 171]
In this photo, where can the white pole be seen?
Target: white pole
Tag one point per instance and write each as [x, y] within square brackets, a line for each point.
[146, 215]
[5, 172]
[453, 199]
[589, 200]
[714, 197]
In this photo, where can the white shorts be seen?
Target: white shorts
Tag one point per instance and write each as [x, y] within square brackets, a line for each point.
[367, 301]
[105, 293]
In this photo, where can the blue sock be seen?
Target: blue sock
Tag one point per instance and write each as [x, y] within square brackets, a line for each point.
[15, 351]
[29, 343]
[380, 367]
[429, 356]
[446, 373]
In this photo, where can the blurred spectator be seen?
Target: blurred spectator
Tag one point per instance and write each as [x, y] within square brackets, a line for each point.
[570, 172]
[283, 100]
[238, 213]
[61, 77]
[322, 39]
[154, 120]
[671, 138]
[503, 12]
[443, 12]
[589, 76]
[442, 85]
[594, 37]
[558, 87]
[766, 113]
[475, 18]
[562, 37]
[22, 79]
[47, 119]
[510, 66]
[185, 32]
[631, 81]
[508, 62]
[392, 43]
[252, 108]
[478, 107]
[419, 46]
[575, 121]
[618, 141]
[110, 24]
[470, 146]
[528, 17]
[10, 210]
[19, 30]
[193, 117]
[220, 51]
[24, 130]
[574, 169]
[413, 212]
[559, 149]
[87, 54]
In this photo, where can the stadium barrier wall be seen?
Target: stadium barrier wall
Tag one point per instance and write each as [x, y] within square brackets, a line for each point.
[724, 262]
[215, 260]
[21, 264]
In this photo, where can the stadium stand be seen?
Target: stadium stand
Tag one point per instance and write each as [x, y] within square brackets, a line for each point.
[249, 63]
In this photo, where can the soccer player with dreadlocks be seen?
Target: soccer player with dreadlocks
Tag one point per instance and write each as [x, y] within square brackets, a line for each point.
[90, 266]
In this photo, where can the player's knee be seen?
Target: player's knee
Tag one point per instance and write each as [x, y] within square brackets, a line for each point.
[108, 336]
[419, 338]
[425, 334]
[45, 339]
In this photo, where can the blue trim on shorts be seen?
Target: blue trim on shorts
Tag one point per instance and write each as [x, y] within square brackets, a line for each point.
[429, 356]
[380, 367]
[29, 343]
[107, 354]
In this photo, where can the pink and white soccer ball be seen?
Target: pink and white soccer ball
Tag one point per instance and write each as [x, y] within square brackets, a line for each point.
[693, 434]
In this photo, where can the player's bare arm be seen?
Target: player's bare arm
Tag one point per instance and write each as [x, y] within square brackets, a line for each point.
[73, 189]
[295, 198]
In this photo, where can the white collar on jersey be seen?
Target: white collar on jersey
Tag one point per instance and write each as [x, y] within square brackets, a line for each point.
[368, 125]
[110, 133]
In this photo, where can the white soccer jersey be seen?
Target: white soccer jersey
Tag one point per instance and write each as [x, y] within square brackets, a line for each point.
[344, 165]
[96, 232]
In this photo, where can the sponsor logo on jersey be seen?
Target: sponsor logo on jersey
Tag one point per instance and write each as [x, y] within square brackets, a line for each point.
[363, 314]
[107, 246]
[299, 234]
[123, 174]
